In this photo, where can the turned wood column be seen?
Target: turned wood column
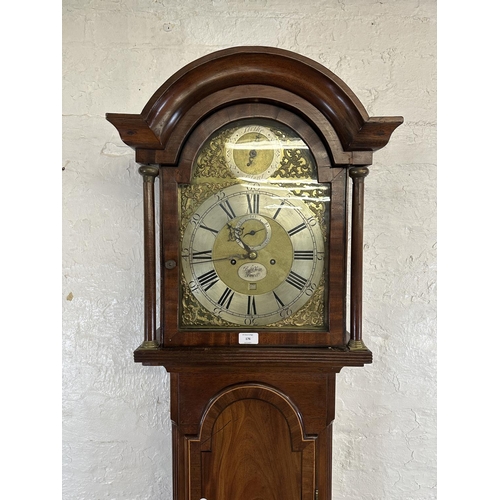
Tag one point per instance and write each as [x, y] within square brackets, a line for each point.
[149, 174]
[357, 175]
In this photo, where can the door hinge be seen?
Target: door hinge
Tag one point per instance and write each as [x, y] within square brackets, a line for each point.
[316, 494]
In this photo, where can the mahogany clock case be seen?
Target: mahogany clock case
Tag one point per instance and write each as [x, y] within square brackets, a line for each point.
[253, 422]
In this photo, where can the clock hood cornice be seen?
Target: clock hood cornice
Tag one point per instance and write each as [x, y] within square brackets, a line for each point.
[252, 74]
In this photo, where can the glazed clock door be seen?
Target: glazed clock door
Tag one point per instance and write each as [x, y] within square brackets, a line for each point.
[253, 245]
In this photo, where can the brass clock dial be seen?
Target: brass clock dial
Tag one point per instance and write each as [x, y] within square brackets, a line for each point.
[253, 255]
[253, 232]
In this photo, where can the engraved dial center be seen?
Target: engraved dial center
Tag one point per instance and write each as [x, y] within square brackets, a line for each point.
[267, 242]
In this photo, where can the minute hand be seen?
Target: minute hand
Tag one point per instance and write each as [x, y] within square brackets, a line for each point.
[229, 257]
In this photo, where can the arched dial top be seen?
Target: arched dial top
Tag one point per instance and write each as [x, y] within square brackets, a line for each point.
[254, 231]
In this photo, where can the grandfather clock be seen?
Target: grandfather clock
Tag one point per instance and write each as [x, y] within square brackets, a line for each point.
[255, 150]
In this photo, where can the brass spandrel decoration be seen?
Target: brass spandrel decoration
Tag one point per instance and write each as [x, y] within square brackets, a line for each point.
[211, 162]
[296, 164]
[312, 315]
[313, 195]
[193, 314]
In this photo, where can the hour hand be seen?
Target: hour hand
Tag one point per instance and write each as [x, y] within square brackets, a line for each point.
[234, 235]
[244, 245]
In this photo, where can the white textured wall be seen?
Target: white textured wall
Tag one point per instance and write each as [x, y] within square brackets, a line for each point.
[116, 53]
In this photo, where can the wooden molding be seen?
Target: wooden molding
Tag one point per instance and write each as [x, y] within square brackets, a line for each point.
[269, 72]
[244, 359]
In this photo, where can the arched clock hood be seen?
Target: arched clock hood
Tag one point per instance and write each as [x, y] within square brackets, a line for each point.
[254, 74]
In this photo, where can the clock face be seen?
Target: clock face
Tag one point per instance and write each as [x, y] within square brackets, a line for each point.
[253, 232]
[253, 255]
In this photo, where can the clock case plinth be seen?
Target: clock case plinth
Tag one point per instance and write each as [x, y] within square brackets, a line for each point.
[266, 410]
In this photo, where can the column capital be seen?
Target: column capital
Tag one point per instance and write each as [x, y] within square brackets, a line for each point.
[149, 172]
[358, 172]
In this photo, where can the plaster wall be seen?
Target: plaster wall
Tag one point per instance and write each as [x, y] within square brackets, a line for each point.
[116, 53]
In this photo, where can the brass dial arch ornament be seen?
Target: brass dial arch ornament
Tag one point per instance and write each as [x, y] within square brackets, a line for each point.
[253, 152]
[256, 149]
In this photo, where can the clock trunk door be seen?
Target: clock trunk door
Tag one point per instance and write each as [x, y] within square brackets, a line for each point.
[252, 449]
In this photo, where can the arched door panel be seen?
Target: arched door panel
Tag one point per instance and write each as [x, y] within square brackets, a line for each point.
[251, 447]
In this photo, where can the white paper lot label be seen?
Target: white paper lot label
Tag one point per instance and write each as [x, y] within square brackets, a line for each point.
[248, 338]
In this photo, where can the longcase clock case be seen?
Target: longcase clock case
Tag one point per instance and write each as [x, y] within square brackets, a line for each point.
[256, 151]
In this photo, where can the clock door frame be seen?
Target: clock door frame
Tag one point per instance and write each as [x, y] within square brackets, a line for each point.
[336, 261]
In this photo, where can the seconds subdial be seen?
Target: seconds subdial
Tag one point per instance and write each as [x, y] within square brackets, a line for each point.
[253, 232]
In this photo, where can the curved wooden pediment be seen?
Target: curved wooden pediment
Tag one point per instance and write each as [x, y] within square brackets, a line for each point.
[252, 74]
